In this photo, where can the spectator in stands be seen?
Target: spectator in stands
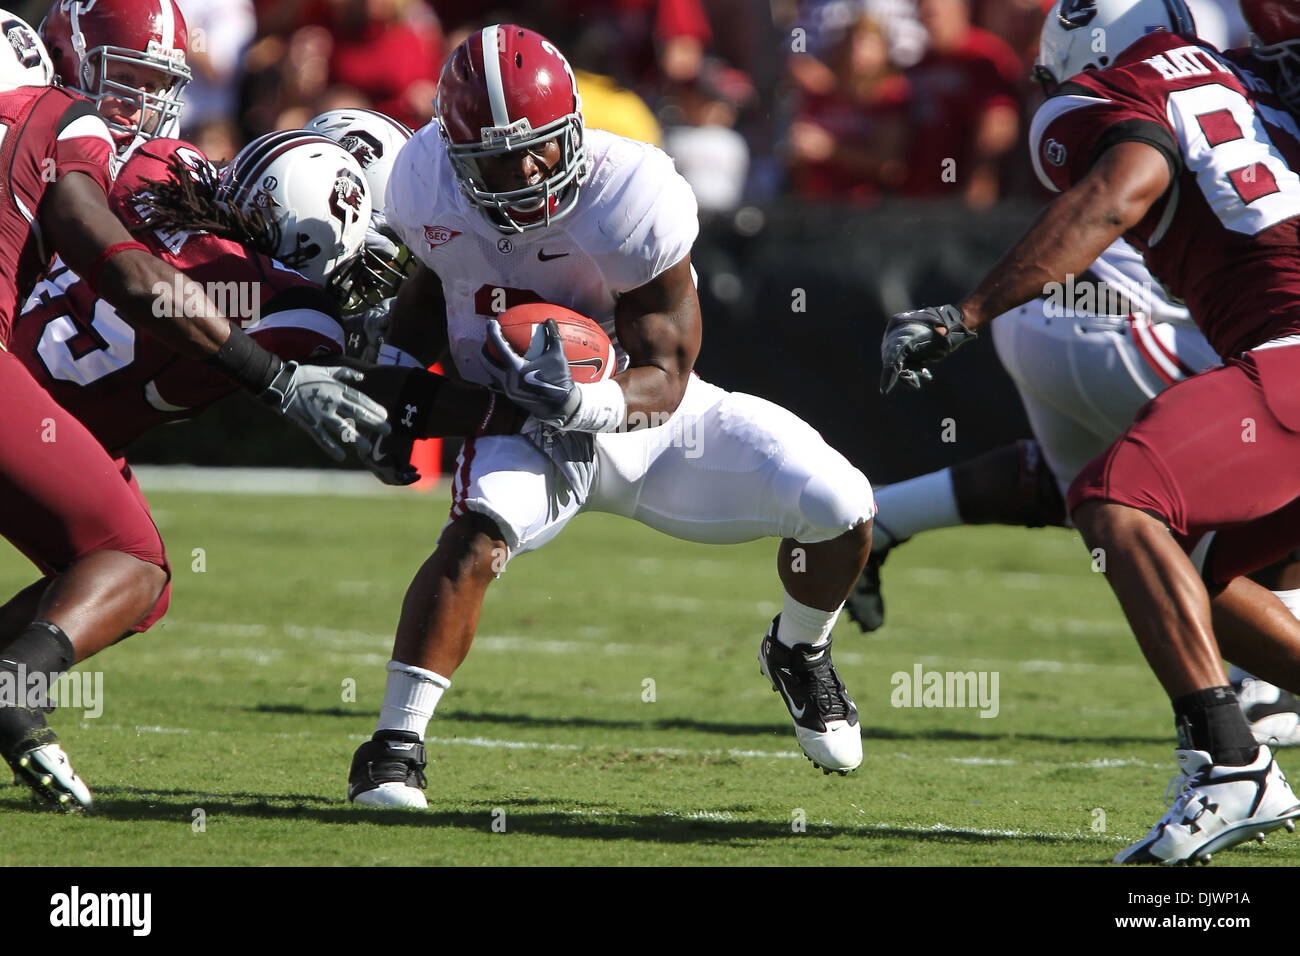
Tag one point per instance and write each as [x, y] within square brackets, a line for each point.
[220, 31]
[315, 55]
[389, 52]
[851, 142]
[700, 135]
[964, 114]
[1018, 22]
[607, 103]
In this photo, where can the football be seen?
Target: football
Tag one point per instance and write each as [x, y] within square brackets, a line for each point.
[587, 347]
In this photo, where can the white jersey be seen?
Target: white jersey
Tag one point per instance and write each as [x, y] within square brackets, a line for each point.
[635, 217]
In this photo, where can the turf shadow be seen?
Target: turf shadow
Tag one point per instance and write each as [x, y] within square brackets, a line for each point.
[590, 825]
[301, 711]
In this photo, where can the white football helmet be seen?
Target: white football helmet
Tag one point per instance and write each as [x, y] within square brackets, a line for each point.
[374, 141]
[1083, 35]
[317, 195]
[24, 60]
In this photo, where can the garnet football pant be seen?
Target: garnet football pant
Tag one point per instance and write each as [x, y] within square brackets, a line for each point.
[1083, 379]
[61, 495]
[1220, 450]
[725, 468]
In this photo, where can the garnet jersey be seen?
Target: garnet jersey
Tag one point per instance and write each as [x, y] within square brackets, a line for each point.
[635, 217]
[47, 133]
[1224, 237]
[120, 383]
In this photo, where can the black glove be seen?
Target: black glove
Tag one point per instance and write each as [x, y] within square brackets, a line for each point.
[390, 460]
[539, 382]
[912, 343]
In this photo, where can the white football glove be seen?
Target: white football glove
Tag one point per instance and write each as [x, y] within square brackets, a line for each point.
[318, 399]
[365, 332]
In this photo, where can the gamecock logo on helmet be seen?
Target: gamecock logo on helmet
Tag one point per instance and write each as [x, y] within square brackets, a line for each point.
[365, 149]
[24, 44]
[347, 194]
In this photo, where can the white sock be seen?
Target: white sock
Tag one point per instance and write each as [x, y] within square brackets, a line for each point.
[918, 504]
[801, 624]
[410, 697]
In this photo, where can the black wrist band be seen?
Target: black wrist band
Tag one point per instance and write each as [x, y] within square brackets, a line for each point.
[243, 360]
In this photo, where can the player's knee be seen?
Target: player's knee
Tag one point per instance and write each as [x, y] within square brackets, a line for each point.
[472, 547]
[834, 502]
[159, 609]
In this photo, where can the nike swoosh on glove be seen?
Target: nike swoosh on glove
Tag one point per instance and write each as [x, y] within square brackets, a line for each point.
[912, 344]
[539, 381]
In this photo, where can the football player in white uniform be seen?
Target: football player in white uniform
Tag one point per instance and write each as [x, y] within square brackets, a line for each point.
[505, 198]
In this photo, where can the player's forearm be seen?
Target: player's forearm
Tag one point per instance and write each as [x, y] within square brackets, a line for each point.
[651, 395]
[1115, 195]
[143, 290]
[427, 405]
[1066, 238]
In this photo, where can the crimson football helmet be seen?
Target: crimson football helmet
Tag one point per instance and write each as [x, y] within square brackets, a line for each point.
[509, 90]
[1276, 25]
[122, 54]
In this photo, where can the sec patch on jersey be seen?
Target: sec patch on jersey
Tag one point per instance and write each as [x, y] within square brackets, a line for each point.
[586, 346]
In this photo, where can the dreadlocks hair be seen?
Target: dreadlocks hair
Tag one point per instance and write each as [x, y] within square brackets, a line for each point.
[190, 199]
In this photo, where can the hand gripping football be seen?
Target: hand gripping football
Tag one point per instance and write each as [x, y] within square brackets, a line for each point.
[586, 346]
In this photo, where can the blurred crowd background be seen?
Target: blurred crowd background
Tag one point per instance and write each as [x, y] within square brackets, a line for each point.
[827, 100]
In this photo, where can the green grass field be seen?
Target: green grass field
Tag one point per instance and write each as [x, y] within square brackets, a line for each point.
[236, 706]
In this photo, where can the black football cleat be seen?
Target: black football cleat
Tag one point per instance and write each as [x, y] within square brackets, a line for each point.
[388, 771]
[825, 719]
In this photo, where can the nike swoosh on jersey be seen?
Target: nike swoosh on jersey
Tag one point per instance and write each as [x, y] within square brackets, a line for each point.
[543, 257]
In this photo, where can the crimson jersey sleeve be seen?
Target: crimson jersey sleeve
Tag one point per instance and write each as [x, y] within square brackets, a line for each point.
[1073, 128]
[49, 133]
[84, 144]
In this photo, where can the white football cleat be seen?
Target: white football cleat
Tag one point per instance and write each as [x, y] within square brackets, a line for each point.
[388, 771]
[47, 770]
[1273, 713]
[825, 718]
[389, 795]
[1217, 807]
